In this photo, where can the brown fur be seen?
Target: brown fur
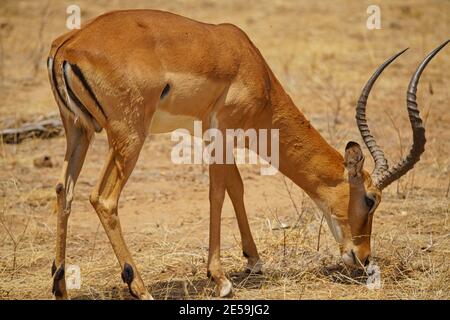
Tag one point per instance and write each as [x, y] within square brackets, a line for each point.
[214, 71]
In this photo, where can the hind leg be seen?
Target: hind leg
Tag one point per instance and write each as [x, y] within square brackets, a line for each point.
[77, 139]
[105, 199]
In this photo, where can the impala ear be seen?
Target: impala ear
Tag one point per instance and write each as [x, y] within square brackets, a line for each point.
[354, 159]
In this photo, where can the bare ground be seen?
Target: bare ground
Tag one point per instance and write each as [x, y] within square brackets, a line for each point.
[323, 53]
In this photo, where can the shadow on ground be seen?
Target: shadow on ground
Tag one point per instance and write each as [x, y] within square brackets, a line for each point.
[180, 289]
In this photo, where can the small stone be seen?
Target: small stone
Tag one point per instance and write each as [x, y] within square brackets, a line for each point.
[43, 162]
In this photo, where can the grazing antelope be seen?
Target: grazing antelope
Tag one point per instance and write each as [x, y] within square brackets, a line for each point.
[140, 72]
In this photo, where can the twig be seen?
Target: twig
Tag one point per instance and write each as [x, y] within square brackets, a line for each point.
[2, 58]
[448, 189]
[16, 241]
[320, 231]
[331, 94]
[397, 130]
[95, 242]
[299, 214]
[39, 51]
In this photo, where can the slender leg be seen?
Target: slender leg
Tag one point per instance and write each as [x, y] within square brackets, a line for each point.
[235, 189]
[217, 185]
[77, 146]
[105, 199]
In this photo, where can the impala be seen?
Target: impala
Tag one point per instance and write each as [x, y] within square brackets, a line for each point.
[140, 72]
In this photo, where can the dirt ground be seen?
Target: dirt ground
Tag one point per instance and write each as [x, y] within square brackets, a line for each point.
[323, 53]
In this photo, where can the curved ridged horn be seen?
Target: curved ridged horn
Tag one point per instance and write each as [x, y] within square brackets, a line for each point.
[380, 160]
[418, 146]
[383, 175]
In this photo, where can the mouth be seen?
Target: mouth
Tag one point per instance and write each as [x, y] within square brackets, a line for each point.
[358, 263]
[351, 260]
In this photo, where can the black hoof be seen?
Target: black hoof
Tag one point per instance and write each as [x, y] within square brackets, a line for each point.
[128, 276]
[58, 275]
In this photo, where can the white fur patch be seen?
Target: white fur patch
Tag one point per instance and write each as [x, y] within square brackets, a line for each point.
[332, 222]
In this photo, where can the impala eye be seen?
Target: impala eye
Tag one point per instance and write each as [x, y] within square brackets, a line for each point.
[369, 202]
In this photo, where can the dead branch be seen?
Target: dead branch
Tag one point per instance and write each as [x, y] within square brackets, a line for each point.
[43, 129]
[320, 231]
[41, 47]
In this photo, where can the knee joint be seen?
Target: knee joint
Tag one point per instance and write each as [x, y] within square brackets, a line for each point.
[105, 208]
[102, 203]
[59, 189]
[64, 200]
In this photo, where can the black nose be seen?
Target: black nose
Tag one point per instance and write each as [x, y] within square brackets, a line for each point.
[366, 262]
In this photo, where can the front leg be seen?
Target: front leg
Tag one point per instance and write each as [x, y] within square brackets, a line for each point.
[235, 189]
[217, 186]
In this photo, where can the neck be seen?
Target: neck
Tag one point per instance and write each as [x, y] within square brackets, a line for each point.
[304, 155]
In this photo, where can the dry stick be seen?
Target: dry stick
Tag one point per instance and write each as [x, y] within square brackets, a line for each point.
[336, 94]
[282, 227]
[46, 128]
[299, 214]
[95, 241]
[320, 230]
[292, 199]
[2, 58]
[39, 51]
[411, 185]
[397, 130]
[448, 188]
[16, 242]
[348, 278]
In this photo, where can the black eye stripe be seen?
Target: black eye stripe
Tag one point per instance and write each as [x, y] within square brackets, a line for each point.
[369, 202]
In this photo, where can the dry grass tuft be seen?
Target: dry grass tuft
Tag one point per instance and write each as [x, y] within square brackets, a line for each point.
[323, 54]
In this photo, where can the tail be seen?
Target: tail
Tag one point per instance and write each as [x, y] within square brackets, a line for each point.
[75, 98]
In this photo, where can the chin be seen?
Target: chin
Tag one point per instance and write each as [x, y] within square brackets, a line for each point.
[350, 262]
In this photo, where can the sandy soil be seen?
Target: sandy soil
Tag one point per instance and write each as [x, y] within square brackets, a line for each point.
[323, 53]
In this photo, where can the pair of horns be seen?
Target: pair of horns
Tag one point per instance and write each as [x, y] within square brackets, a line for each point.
[382, 175]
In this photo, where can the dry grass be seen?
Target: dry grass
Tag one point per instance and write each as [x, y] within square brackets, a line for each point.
[323, 54]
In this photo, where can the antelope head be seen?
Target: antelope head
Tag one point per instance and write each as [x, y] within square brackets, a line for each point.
[351, 222]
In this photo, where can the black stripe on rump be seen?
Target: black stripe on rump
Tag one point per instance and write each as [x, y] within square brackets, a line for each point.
[77, 101]
[83, 80]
